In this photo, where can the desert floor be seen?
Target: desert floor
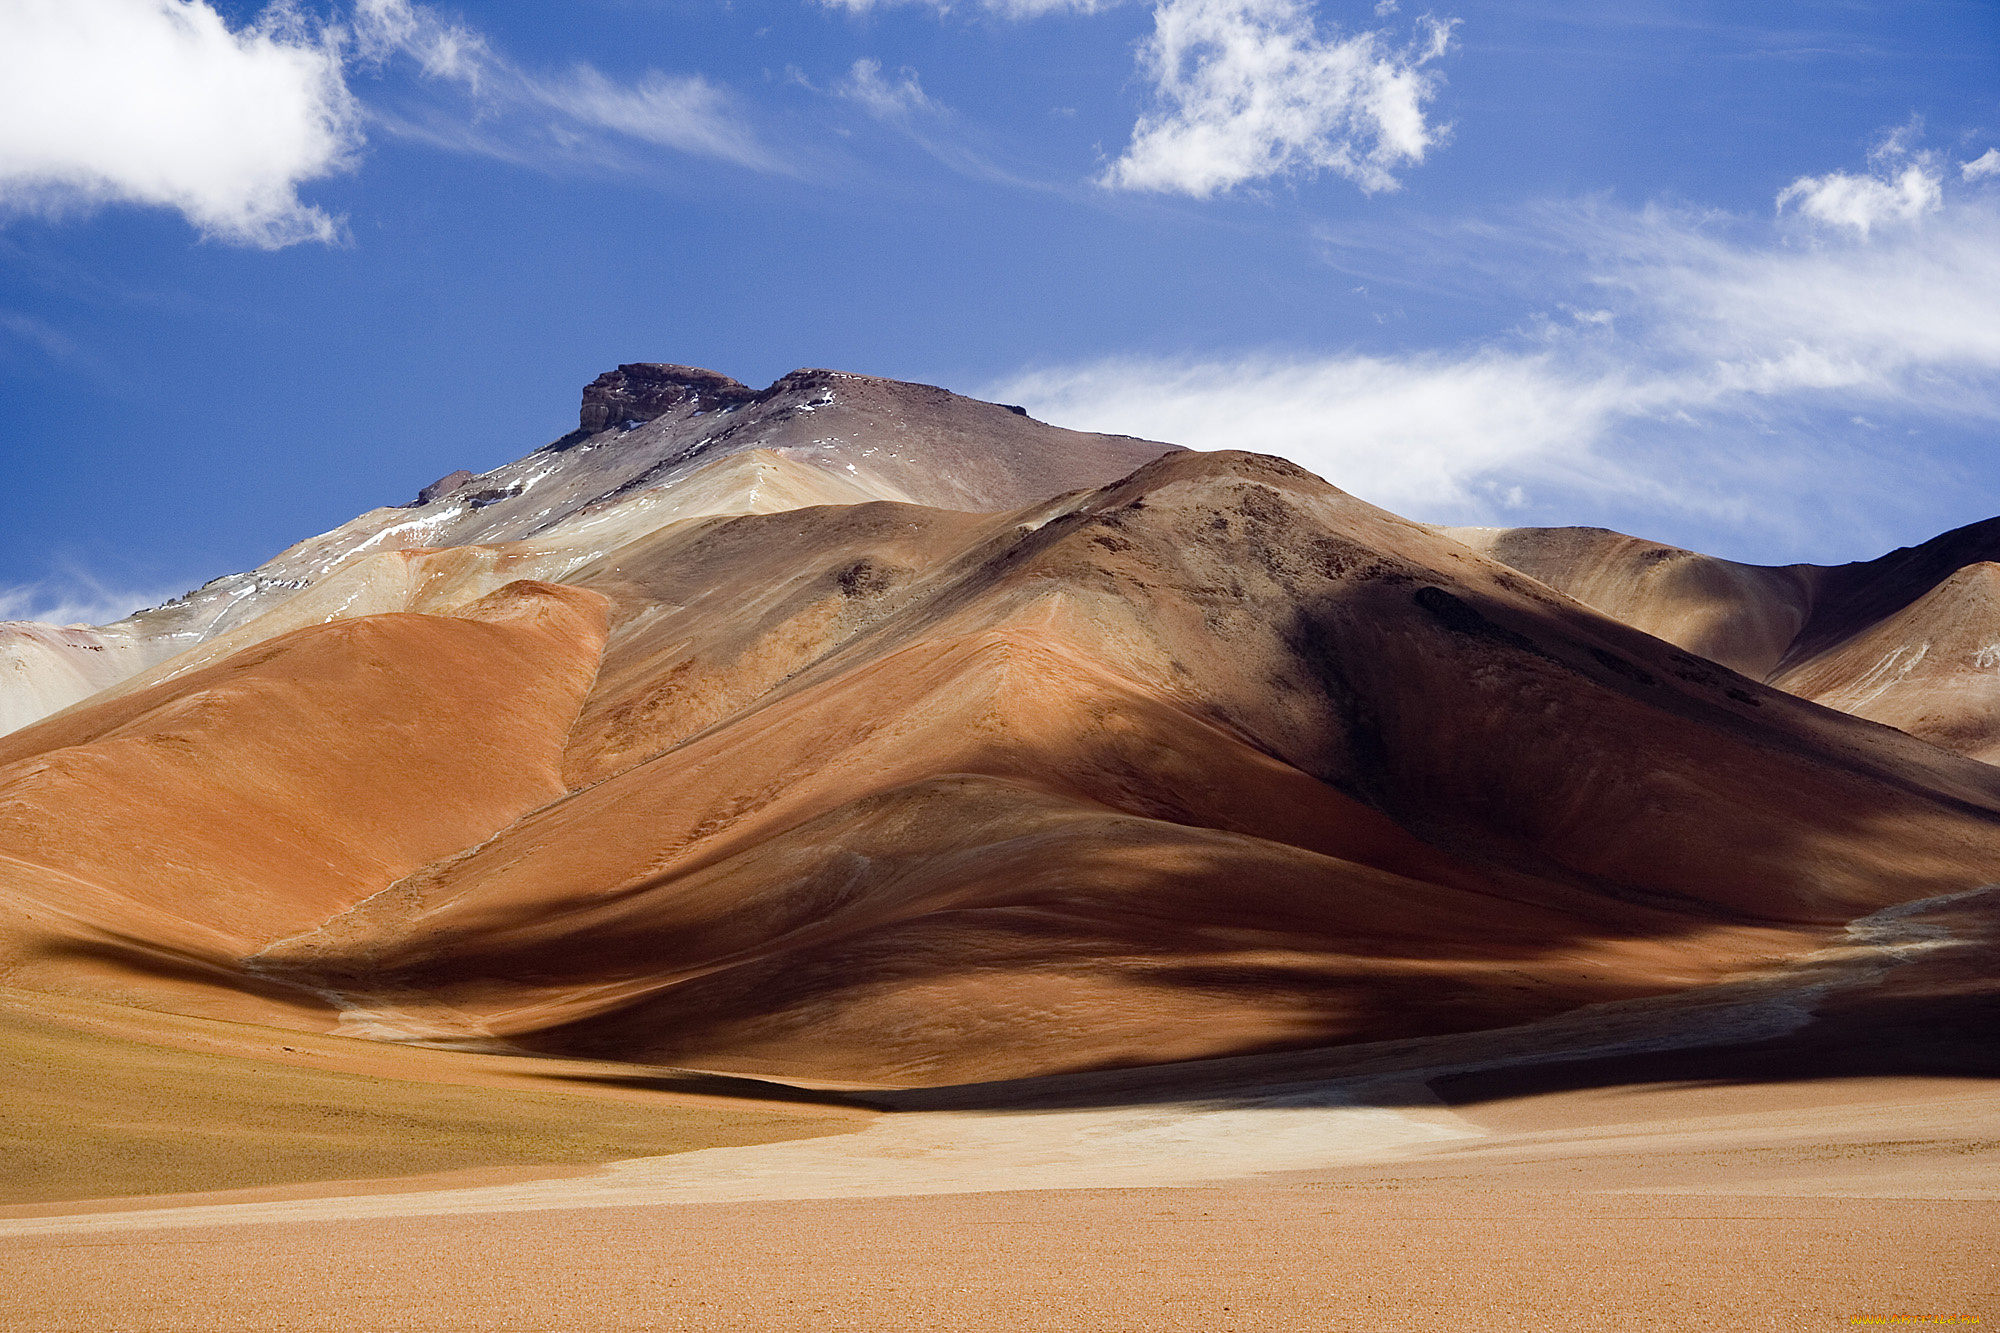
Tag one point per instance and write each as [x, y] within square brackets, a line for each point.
[1795, 1205]
[1723, 1159]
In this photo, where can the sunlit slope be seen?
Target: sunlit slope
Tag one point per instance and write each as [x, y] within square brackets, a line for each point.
[658, 444]
[1213, 758]
[1742, 616]
[44, 668]
[149, 843]
[1932, 668]
[1911, 639]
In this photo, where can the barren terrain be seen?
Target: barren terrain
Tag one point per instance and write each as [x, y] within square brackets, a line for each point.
[845, 855]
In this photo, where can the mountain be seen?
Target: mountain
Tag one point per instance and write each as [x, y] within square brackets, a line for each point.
[1911, 639]
[656, 444]
[852, 731]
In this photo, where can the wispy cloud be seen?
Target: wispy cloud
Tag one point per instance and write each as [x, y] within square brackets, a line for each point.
[900, 102]
[160, 103]
[684, 112]
[1686, 362]
[1417, 432]
[441, 47]
[542, 119]
[51, 341]
[73, 596]
[1252, 89]
[886, 99]
[1010, 9]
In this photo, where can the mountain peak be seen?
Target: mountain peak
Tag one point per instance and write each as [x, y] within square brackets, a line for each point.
[646, 390]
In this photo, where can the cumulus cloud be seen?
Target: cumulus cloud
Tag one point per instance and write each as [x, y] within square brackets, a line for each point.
[1901, 186]
[1863, 203]
[1251, 89]
[1986, 164]
[1706, 362]
[161, 103]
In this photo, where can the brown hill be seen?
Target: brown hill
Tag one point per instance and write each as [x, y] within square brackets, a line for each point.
[748, 750]
[1213, 759]
[150, 843]
[1910, 639]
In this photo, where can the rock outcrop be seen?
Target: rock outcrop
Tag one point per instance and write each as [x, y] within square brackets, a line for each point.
[644, 391]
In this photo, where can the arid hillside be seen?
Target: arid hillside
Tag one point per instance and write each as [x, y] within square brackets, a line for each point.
[1911, 639]
[852, 731]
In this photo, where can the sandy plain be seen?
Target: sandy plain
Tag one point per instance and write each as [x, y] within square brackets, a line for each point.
[1565, 1174]
[1805, 1208]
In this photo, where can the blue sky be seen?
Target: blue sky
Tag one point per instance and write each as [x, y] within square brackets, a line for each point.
[1726, 275]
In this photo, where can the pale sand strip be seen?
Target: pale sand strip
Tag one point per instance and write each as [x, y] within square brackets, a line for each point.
[941, 1153]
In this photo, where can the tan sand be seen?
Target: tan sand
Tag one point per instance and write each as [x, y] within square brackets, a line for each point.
[97, 1101]
[1634, 1237]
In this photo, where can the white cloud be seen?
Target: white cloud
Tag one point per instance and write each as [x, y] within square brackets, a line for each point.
[1702, 376]
[75, 597]
[441, 48]
[160, 103]
[1010, 9]
[1907, 315]
[508, 115]
[1986, 164]
[1249, 89]
[684, 112]
[1900, 186]
[885, 99]
[1410, 433]
[1864, 203]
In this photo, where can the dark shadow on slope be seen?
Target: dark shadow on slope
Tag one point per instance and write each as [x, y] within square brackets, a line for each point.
[1898, 1038]
[1936, 1017]
[1892, 1037]
[1850, 598]
[134, 957]
[733, 1087]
